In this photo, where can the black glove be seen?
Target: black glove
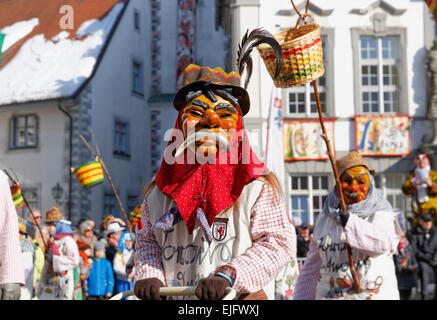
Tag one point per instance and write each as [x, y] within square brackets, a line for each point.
[148, 289]
[344, 217]
[212, 288]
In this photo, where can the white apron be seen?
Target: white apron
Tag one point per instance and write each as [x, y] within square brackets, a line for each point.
[58, 285]
[187, 258]
[376, 274]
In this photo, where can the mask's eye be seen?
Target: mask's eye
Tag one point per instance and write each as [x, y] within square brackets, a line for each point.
[225, 115]
[361, 182]
[195, 113]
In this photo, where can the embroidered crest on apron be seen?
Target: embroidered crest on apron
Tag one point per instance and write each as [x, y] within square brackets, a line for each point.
[219, 228]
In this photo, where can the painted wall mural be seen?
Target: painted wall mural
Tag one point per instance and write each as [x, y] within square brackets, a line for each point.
[302, 140]
[382, 135]
[186, 37]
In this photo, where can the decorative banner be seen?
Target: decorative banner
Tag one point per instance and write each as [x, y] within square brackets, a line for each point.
[274, 159]
[432, 5]
[2, 38]
[186, 37]
[382, 135]
[302, 140]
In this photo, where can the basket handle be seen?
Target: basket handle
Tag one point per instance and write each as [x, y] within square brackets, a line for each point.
[302, 18]
[297, 11]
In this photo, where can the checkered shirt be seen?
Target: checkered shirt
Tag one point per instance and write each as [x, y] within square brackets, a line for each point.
[273, 245]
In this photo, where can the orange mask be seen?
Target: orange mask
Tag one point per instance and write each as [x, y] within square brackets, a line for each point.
[203, 114]
[355, 183]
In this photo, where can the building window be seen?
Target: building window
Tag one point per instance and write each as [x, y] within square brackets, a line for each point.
[379, 73]
[132, 202]
[390, 186]
[121, 138]
[137, 78]
[110, 204]
[136, 20]
[301, 100]
[31, 195]
[307, 196]
[24, 131]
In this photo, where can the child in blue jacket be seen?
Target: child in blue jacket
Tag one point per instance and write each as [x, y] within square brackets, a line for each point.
[101, 277]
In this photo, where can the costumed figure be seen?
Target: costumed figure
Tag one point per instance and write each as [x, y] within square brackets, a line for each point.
[369, 227]
[214, 216]
[62, 257]
[422, 184]
[28, 255]
[123, 281]
[11, 266]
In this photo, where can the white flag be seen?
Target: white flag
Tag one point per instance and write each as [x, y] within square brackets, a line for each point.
[274, 142]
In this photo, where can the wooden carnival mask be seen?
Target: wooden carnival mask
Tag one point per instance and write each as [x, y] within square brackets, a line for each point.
[355, 183]
[210, 114]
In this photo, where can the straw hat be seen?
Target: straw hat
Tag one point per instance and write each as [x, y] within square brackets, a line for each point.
[53, 215]
[352, 159]
[195, 77]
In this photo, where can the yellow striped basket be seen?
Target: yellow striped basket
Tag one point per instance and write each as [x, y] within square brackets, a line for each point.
[90, 174]
[302, 53]
[17, 197]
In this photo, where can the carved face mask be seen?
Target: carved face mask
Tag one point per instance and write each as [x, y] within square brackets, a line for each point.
[209, 124]
[355, 183]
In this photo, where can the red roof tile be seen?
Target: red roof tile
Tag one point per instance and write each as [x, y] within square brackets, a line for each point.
[48, 13]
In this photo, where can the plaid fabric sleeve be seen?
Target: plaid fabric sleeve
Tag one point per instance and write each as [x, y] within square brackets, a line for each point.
[273, 245]
[372, 239]
[148, 258]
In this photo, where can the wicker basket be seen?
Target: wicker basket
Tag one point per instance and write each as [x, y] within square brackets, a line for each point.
[17, 197]
[90, 174]
[302, 52]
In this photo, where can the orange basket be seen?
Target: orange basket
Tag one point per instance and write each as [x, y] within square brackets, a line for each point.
[302, 53]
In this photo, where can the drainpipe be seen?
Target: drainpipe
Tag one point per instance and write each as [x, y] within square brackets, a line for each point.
[70, 155]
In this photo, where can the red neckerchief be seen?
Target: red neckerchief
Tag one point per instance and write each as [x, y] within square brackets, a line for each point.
[212, 187]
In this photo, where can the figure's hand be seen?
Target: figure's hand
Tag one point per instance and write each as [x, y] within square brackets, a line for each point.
[10, 291]
[148, 289]
[108, 295]
[428, 181]
[344, 217]
[212, 288]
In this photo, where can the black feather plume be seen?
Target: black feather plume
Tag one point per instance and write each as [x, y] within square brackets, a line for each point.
[250, 41]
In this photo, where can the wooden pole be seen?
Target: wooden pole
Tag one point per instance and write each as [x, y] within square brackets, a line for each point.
[338, 184]
[99, 158]
[28, 208]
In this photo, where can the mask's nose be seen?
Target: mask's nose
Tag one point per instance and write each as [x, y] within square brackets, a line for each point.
[353, 186]
[210, 119]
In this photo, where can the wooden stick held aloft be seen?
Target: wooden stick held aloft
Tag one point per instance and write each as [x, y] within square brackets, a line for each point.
[338, 185]
[98, 157]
